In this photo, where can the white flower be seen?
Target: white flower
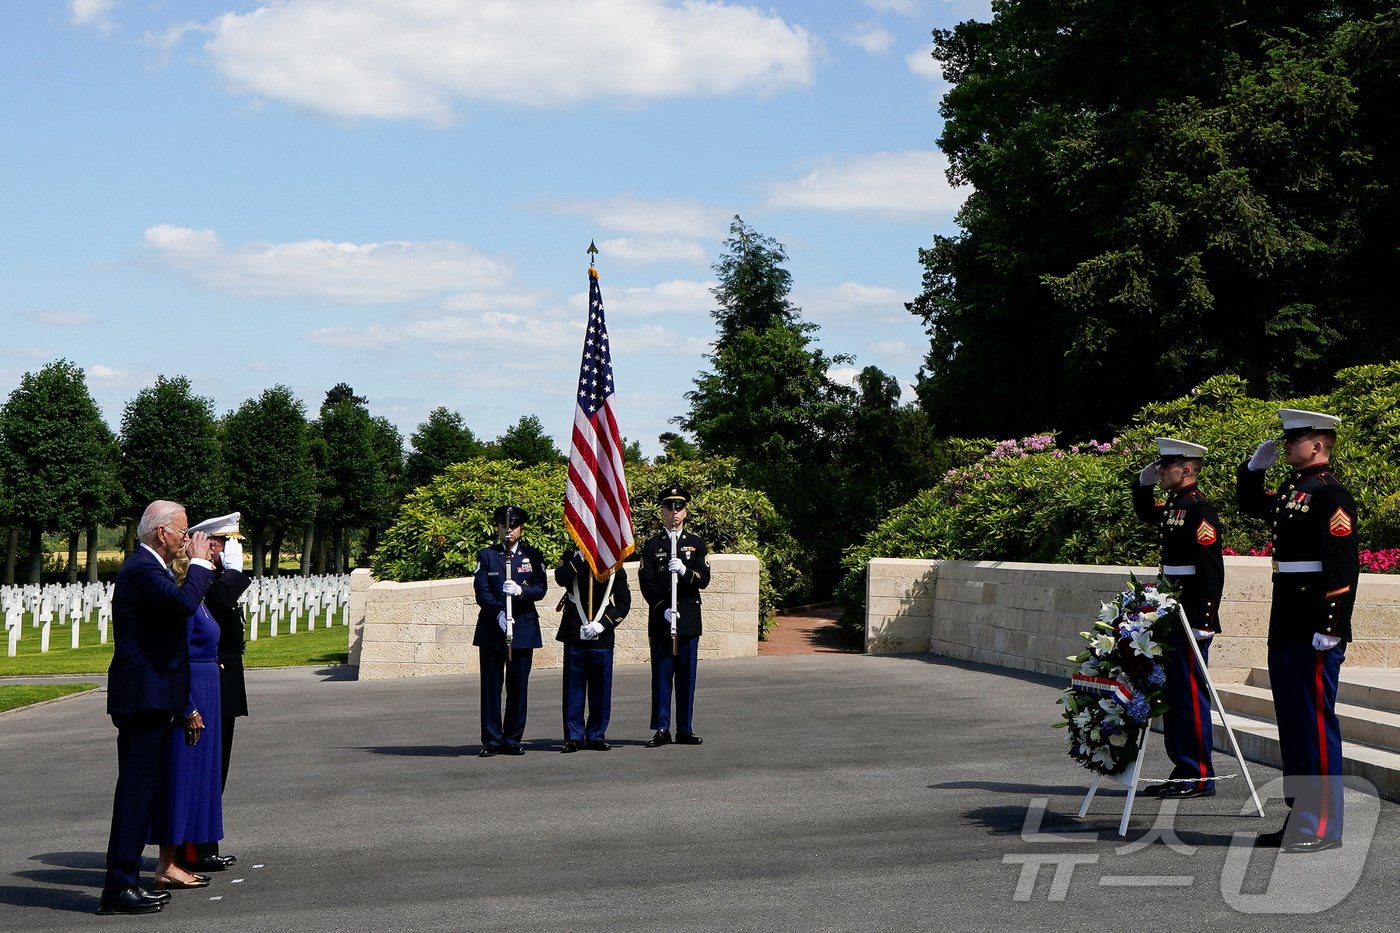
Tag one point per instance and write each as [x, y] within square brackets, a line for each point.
[1119, 740]
[1102, 645]
[1145, 646]
[1107, 612]
[1090, 668]
[1104, 757]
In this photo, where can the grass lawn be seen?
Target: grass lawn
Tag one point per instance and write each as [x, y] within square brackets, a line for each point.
[319, 647]
[17, 695]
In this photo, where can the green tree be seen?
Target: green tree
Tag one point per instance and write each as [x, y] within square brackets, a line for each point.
[170, 450]
[59, 457]
[768, 400]
[1160, 192]
[354, 493]
[270, 478]
[438, 443]
[527, 442]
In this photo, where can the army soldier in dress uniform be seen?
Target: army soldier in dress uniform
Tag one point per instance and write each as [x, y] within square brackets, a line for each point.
[1193, 562]
[510, 567]
[1315, 573]
[222, 601]
[592, 609]
[673, 630]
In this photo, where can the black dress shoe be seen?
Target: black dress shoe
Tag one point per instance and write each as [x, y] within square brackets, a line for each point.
[128, 901]
[661, 738]
[1309, 844]
[1273, 840]
[1151, 790]
[570, 747]
[512, 750]
[598, 746]
[159, 897]
[1184, 789]
[212, 863]
[688, 738]
[486, 752]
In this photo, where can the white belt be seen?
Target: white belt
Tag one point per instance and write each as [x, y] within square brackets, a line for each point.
[1179, 570]
[1298, 566]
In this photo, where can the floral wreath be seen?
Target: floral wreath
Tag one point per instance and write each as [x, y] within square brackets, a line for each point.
[1120, 682]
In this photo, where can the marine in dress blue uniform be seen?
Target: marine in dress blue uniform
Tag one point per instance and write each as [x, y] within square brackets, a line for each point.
[1316, 567]
[1192, 562]
[148, 687]
[591, 613]
[507, 665]
[674, 658]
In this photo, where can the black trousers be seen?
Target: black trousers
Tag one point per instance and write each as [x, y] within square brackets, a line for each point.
[141, 739]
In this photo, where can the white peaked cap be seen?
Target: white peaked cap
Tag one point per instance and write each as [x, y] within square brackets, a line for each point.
[1297, 420]
[223, 526]
[1171, 447]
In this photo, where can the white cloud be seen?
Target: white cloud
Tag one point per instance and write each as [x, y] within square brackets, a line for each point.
[57, 318]
[678, 296]
[643, 250]
[374, 337]
[91, 13]
[100, 377]
[349, 273]
[923, 64]
[872, 37]
[414, 59]
[905, 7]
[901, 185]
[651, 217]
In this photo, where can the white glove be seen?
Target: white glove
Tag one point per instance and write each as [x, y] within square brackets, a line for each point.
[672, 615]
[233, 555]
[1325, 642]
[511, 588]
[591, 630]
[1203, 634]
[1148, 476]
[501, 621]
[675, 565]
[1264, 456]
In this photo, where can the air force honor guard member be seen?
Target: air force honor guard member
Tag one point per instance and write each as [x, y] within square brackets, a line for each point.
[508, 568]
[1316, 567]
[592, 609]
[1193, 562]
[673, 562]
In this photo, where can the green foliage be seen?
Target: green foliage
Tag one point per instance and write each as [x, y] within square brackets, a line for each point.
[170, 450]
[268, 450]
[13, 696]
[526, 442]
[438, 443]
[1035, 500]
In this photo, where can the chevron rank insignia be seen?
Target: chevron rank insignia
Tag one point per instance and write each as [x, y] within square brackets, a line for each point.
[1339, 524]
[1205, 533]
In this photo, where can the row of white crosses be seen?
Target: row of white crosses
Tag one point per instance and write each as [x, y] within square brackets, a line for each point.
[73, 604]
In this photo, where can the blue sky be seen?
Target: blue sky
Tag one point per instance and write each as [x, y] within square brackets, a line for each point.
[399, 194]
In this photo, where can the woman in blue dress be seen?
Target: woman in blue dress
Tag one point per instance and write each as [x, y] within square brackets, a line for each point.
[189, 803]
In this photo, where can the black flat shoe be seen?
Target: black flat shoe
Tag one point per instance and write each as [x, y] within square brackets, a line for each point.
[598, 747]
[570, 747]
[167, 883]
[212, 863]
[688, 738]
[486, 752]
[128, 901]
[661, 738]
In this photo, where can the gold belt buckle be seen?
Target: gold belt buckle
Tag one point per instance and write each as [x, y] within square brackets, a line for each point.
[1275, 565]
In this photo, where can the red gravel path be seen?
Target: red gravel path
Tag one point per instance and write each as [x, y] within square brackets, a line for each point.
[808, 631]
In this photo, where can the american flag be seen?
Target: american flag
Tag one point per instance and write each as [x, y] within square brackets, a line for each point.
[596, 508]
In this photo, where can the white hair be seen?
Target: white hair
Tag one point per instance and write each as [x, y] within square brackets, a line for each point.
[158, 513]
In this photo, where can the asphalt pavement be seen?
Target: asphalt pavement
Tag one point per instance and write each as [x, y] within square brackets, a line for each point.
[833, 792]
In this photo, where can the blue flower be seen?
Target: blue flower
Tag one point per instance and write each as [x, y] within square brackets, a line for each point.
[1158, 676]
[1137, 709]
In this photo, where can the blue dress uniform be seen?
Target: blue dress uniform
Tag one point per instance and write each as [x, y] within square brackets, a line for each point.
[500, 667]
[1193, 562]
[588, 662]
[1316, 567]
[673, 669]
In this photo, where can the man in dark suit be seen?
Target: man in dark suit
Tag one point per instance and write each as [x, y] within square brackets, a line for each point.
[593, 608]
[221, 599]
[673, 556]
[148, 687]
[510, 579]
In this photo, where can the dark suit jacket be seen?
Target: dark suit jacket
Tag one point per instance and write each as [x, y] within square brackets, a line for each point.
[150, 667]
[222, 600]
[655, 582]
[527, 569]
[619, 602]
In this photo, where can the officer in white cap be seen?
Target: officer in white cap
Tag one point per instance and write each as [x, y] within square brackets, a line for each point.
[1193, 562]
[1316, 567]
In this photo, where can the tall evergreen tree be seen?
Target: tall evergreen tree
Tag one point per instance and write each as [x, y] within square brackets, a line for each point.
[270, 478]
[438, 443]
[527, 442]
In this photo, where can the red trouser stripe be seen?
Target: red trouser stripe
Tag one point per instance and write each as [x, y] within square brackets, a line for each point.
[1196, 723]
[1323, 774]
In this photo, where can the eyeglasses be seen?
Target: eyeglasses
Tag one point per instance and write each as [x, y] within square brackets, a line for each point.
[673, 506]
[183, 534]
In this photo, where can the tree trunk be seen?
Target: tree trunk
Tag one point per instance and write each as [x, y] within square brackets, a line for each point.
[36, 553]
[92, 554]
[130, 544]
[277, 553]
[338, 554]
[73, 556]
[258, 534]
[308, 543]
[11, 551]
[320, 550]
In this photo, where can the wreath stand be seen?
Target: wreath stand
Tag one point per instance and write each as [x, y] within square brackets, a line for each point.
[1131, 779]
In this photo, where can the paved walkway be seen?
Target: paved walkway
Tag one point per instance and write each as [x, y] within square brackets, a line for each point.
[834, 792]
[809, 630]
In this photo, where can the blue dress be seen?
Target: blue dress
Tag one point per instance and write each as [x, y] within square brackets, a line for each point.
[189, 804]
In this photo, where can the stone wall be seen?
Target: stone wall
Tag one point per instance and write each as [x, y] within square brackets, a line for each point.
[423, 629]
[1028, 616]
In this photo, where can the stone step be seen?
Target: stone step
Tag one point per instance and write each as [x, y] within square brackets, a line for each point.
[1375, 688]
[1363, 725]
